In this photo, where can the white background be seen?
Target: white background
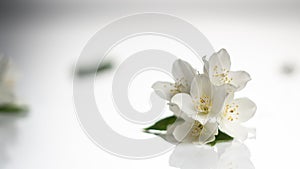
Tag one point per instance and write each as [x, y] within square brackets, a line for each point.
[45, 39]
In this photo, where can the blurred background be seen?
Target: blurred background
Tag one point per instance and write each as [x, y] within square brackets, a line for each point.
[45, 38]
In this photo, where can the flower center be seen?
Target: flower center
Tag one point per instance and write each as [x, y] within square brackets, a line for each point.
[231, 112]
[203, 105]
[180, 86]
[222, 75]
[196, 129]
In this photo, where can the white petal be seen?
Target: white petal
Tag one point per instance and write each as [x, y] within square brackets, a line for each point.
[175, 109]
[6, 92]
[246, 109]
[218, 62]
[200, 86]
[181, 132]
[177, 112]
[163, 89]
[182, 69]
[230, 88]
[224, 58]
[218, 100]
[208, 132]
[185, 103]
[6, 95]
[220, 58]
[239, 79]
[169, 137]
[235, 130]
[4, 63]
[201, 117]
[206, 65]
[229, 98]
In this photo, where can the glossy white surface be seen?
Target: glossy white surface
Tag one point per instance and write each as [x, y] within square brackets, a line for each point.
[262, 39]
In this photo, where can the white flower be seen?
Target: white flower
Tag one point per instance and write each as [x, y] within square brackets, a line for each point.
[205, 101]
[183, 73]
[235, 112]
[188, 130]
[6, 94]
[218, 70]
[192, 131]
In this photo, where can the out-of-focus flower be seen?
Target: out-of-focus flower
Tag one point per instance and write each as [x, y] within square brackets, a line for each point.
[8, 102]
[6, 82]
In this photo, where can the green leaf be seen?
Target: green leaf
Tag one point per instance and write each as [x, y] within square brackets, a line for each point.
[221, 137]
[162, 124]
[12, 108]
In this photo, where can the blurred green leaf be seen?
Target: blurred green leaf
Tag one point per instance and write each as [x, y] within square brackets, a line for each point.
[13, 108]
[84, 71]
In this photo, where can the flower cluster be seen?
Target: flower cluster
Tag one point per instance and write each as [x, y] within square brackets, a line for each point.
[204, 106]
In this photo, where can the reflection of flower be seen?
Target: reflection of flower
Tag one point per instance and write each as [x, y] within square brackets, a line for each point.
[183, 73]
[236, 111]
[218, 70]
[236, 156]
[8, 133]
[233, 155]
